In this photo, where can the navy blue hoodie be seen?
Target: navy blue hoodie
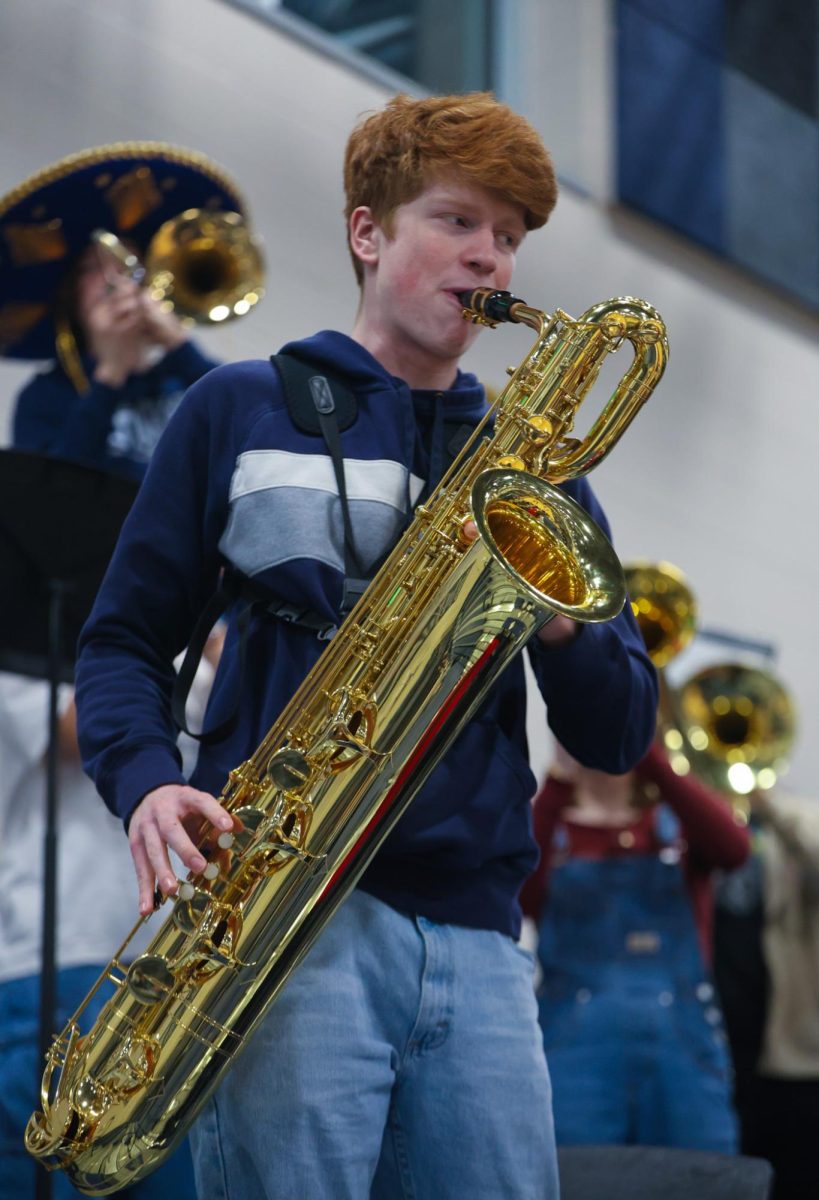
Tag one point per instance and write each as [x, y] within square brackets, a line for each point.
[114, 428]
[233, 480]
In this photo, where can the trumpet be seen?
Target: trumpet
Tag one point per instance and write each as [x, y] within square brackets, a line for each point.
[205, 266]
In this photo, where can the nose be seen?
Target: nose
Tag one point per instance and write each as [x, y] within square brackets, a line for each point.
[481, 252]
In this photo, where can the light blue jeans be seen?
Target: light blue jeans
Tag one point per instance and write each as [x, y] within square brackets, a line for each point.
[402, 1061]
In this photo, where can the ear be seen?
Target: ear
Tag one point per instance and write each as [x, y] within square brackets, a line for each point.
[365, 235]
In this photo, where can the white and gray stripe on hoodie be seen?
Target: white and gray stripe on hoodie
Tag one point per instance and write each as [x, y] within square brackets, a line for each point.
[285, 506]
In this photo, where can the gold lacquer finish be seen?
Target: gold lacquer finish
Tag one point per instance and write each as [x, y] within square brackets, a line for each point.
[664, 606]
[402, 676]
[206, 266]
[737, 724]
[732, 724]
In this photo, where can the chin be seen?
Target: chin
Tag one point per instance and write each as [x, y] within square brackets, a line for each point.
[448, 349]
[462, 341]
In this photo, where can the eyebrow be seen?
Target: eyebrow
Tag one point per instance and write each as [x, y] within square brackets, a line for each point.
[451, 199]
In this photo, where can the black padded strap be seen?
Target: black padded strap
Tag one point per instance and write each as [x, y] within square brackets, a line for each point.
[295, 376]
[221, 599]
[325, 411]
[319, 403]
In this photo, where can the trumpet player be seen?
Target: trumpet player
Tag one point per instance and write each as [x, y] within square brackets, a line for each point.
[120, 359]
[391, 1061]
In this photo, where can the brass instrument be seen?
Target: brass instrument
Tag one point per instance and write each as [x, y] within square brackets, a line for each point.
[737, 726]
[664, 606]
[313, 804]
[730, 723]
[206, 266]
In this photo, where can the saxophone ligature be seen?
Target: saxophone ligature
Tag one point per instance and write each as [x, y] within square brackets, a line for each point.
[411, 663]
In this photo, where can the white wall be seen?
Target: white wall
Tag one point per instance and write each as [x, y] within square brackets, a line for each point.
[718, 473]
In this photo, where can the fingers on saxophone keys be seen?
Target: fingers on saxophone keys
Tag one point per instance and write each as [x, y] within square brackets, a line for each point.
[157, 853]
[145, 880]
[212, 810]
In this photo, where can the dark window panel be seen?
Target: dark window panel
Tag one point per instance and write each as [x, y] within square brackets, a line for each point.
[774, 42]
[670, 144]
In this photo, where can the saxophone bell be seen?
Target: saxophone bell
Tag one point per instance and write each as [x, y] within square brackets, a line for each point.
[549, 544]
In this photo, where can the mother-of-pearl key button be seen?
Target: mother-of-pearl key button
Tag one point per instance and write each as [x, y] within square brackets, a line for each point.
[211, 871]
[224, 841]
[186, 891]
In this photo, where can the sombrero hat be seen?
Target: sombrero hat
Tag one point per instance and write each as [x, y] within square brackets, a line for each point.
[128, 188]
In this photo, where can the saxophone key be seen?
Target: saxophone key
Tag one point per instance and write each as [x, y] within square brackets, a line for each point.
[191, 907]
[512, 462]
[289, 770]
[249, 821]
[149, 978]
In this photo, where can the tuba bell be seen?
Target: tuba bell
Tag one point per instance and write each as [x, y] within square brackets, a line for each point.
[737, 725]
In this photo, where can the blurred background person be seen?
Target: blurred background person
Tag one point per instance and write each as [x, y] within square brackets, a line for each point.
[767, 972]
[631, 1024]
[623, 902]
[121, 362]
[74, 289]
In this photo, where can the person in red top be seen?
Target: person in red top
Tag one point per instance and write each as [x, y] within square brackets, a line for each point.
[622, 898]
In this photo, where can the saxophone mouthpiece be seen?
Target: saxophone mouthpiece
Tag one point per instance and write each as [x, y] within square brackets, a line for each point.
[487, 307]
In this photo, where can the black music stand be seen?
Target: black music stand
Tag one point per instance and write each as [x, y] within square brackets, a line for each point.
[59, 524]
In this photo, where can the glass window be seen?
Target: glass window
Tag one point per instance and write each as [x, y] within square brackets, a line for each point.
[444, 47]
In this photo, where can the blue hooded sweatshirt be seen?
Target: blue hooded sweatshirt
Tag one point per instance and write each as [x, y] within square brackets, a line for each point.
[114, 428]
[233, 480]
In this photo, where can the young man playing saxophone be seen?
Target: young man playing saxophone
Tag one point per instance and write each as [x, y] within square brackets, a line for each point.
[394, 1056]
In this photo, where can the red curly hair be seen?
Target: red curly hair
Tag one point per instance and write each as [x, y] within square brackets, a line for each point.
[393, 154]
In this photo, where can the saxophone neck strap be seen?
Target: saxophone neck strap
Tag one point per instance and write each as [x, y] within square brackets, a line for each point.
[301, 395]
[321, 404]
[221, 599]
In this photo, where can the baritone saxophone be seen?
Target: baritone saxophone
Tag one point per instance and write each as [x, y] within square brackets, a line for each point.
[405, 672]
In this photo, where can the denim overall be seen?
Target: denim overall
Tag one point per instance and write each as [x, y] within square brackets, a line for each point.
[631, 1022]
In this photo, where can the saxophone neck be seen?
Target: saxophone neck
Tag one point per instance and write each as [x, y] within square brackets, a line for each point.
[547, 389]
[616, 322]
